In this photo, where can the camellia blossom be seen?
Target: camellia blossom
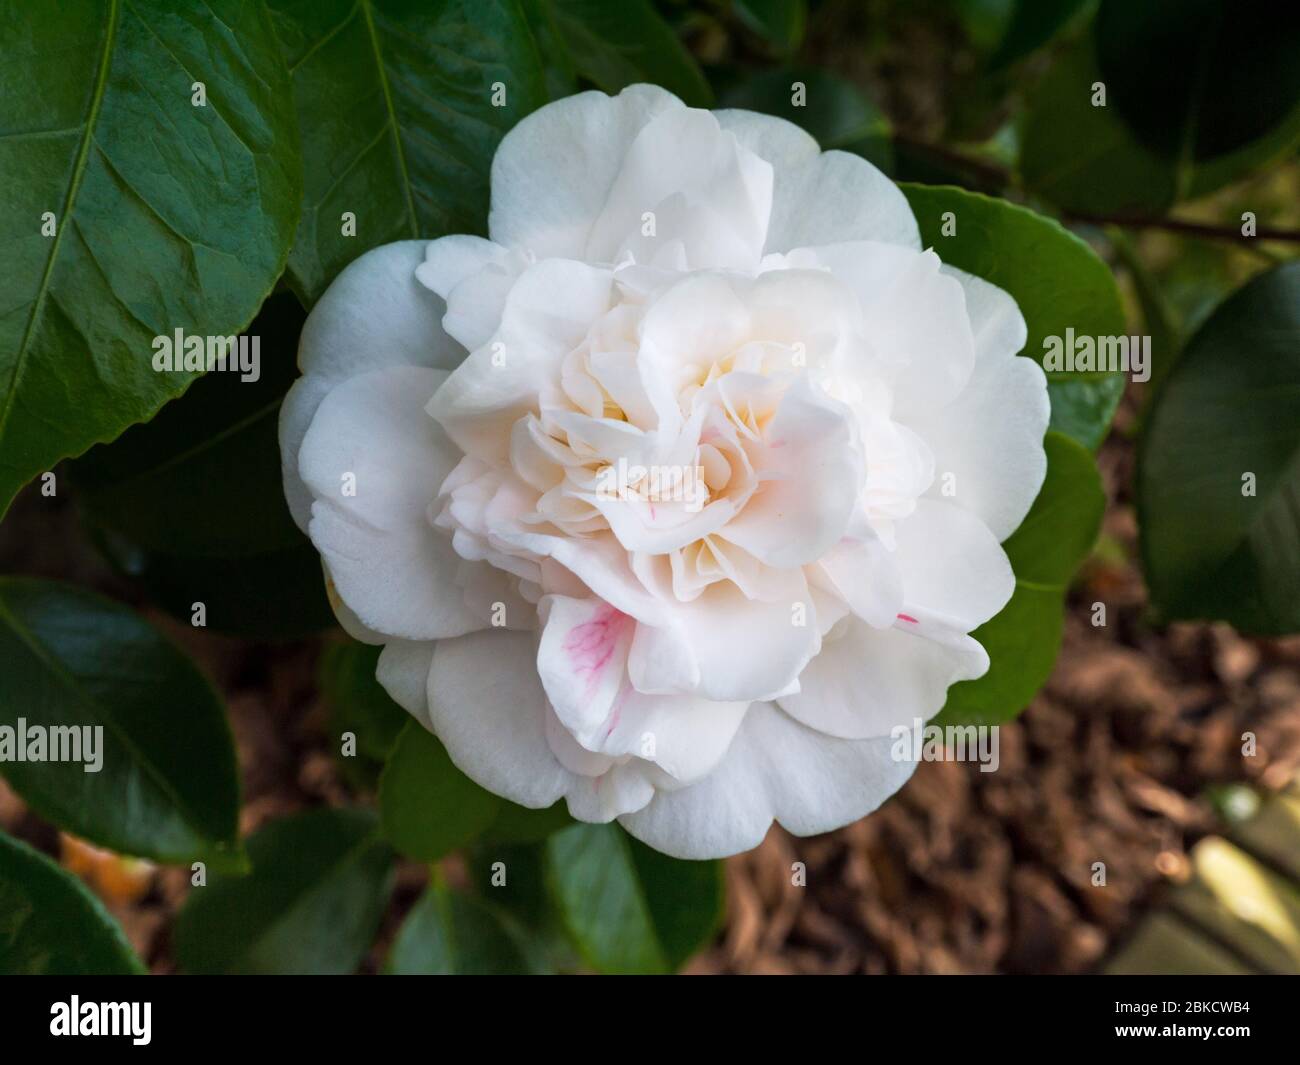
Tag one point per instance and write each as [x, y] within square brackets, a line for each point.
[674, 497]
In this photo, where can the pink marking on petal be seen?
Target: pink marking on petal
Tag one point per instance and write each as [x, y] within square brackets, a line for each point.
[591, 645]
[908, 617]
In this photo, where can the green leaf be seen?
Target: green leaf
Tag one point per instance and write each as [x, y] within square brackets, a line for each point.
[833, 110]
[449, 933]
[1089, 161]
[781, 22]
[1033, 23]
[1082, 158]
[429, 807]
[519, 824]
[1229, 408]
[617, 45]
[513, 878]
[1199, 79]
[628, 908]
[1058, 282]
[192, 503]
[51, 925]
[167, 786]
[557, 68]
[166, 215]
[358, 704]
[1023, 639]
[312, 904]
[395, 101]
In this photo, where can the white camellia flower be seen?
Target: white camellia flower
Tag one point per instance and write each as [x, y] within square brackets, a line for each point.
[679, 493]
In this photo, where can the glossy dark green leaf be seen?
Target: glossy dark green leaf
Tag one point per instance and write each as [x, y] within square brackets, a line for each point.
[780, 22]
[1226, 421]
[512, 878]
[395, 101]
[1084, 158]
[1058, 282]
[628, 908]
[557, 67]
[617, 45]
[312, 903]
[166, 215]
[1032, 24]
[518, 824]
[50, 924]
[829, 108]
[167, 786]
[1023, 639]
[358, 704]
[192, 503]
[1088, 160]
[429, 807]
[1199, 79]
[449, 933]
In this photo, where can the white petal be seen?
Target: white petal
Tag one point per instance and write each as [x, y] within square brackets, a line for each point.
[474, 277]
[374, 314]
[582, 661]
[403, 671]
[549, 310]
[811, 472]
[833, 197]
[991, 437]
[388, 563]
[684, 735]
[776, 769]
[866, 577]
[870, 680]
[553, 172]
[702, 189]
[781, 143]
[953, 567]
[915, 314]
[489, 710]
[725, 647]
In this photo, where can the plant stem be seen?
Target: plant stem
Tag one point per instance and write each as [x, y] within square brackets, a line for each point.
[1195, 229]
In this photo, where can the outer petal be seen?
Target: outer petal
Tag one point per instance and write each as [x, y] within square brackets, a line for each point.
[871, 680]
[776, 769]
[375, 314]
[474, 277]
[553, 172]
[991, 436]
[954, 570]
[489, 710]
[708, 193]
[403, 670]
[821, 198]
[387, 561]
[915, 314]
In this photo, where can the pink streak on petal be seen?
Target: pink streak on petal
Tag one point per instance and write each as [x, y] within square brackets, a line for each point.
[908, 617]
[591, 645]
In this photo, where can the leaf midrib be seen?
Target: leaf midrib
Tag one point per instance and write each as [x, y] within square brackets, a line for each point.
[61, 223]
[382, 71]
